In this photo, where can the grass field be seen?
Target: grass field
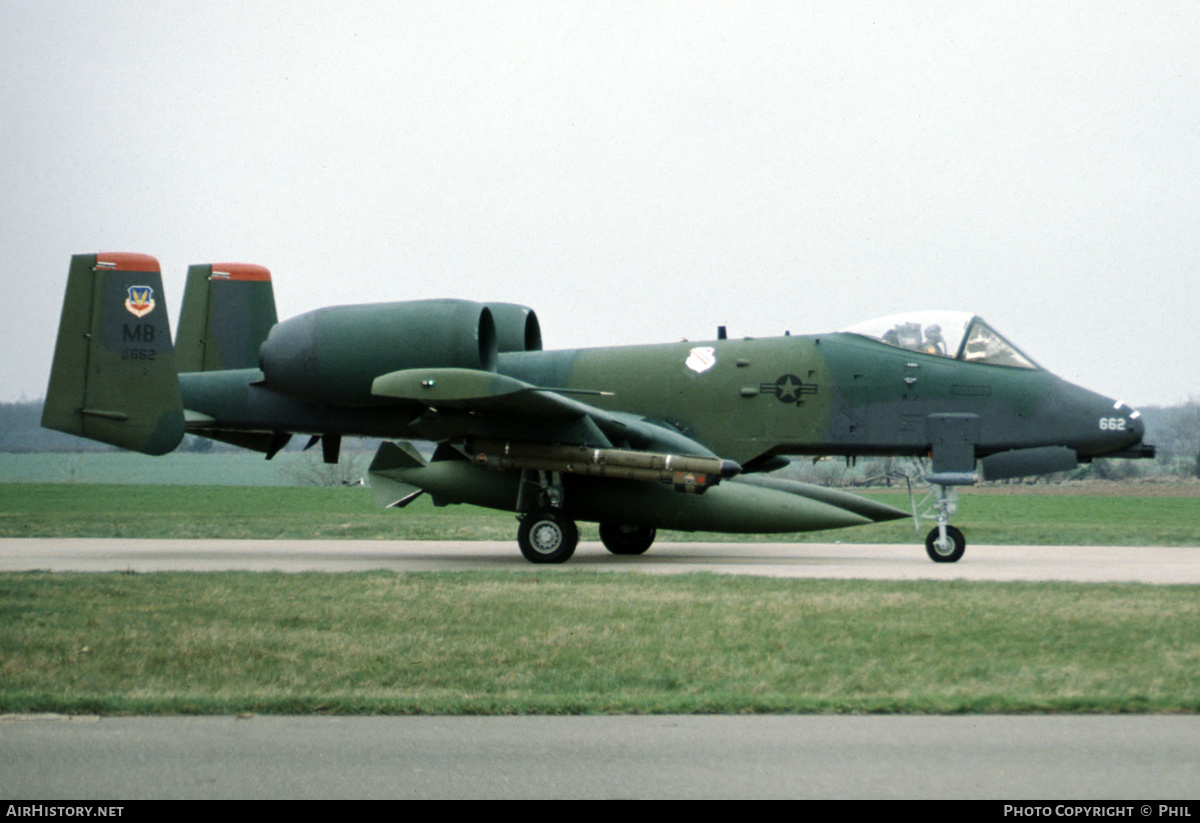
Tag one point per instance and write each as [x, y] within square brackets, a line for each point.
[568, 642]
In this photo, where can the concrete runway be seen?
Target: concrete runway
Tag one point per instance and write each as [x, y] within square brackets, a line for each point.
[1084, 564]
[998, 757]
[789, 756]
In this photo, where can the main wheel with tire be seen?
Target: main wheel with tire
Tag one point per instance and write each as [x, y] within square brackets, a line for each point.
[949, 551]
[620, 539]
[547, 536]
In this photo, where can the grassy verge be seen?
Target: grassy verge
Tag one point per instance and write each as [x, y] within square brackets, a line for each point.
[96, 510]
[567, 642]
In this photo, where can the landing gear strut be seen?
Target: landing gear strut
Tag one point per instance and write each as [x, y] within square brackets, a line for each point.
[546, 534]
[945, 543]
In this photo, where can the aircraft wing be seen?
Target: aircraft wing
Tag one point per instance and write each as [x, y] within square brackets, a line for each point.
[502, 403]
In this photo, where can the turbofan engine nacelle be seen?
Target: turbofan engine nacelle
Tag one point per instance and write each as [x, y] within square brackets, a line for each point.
[332, 355]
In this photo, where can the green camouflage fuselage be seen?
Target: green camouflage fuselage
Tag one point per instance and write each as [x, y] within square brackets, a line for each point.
[819, 395]
[829, 394]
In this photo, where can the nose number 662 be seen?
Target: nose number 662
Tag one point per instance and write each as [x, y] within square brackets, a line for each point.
[1112, 424]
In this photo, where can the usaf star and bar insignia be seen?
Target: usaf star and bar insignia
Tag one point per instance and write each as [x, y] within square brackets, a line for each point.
[789, 389]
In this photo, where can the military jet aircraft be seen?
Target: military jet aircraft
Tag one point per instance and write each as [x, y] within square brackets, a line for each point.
[637, 438]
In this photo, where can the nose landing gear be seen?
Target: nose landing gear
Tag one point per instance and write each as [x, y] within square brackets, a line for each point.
[945, 543]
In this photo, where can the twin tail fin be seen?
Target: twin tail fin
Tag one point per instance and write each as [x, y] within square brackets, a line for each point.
[115, 375]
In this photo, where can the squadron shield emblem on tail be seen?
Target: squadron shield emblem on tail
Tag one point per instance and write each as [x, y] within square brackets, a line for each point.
[140, 301]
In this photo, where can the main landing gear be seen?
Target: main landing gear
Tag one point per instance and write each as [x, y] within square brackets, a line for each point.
[620, 539]
[547, 535]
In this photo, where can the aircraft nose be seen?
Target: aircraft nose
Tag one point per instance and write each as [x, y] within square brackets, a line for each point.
[1097, 425]
[1121, 427]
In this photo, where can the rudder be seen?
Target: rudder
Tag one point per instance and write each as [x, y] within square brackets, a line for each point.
[113, 378]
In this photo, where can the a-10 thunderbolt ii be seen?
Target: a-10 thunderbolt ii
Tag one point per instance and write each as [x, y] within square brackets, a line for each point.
[636, 438]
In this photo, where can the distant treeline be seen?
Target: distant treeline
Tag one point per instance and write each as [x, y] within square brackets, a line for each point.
[21, 432]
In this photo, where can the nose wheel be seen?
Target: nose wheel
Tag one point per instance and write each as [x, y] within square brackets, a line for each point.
[947, 547]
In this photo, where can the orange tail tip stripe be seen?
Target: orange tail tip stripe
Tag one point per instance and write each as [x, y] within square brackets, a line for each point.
[240, 271]
[127, 261]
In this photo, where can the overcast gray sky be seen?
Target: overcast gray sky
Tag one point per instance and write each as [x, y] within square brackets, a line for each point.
[636, 172]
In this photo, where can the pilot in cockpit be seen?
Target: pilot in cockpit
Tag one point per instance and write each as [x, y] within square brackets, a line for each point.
[908, 336]
[934, 342]
[904, 335]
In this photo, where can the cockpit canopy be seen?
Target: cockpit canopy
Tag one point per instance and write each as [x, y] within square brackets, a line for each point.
[952, 334]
